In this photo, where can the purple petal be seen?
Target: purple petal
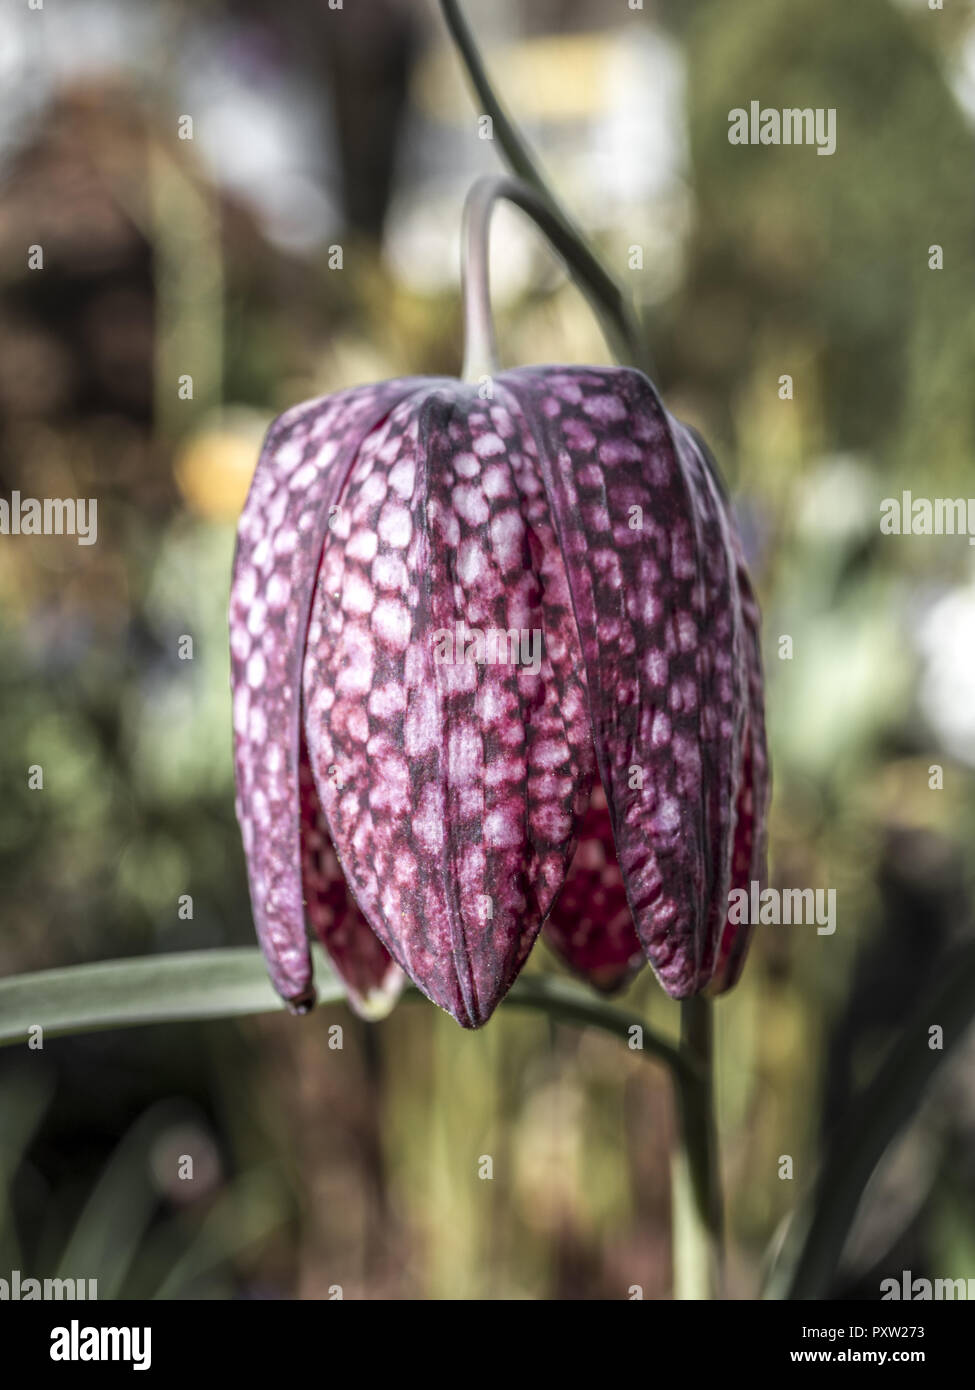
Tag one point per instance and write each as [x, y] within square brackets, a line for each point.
[590, 926]
[371, 977]
[646, 548]
[749, 859]
[303, 465]
[456, 786]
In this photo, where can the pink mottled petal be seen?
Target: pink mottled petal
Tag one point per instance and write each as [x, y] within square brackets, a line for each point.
[303, 464]
[722, 666]
[645, 549]
[372, 978]
[458, 784]
[750, 849]
[590, 926]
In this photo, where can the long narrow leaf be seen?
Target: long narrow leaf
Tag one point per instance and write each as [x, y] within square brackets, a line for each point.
[148, 989]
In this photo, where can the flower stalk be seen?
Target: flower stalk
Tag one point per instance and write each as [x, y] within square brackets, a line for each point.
[603, 295]
[609, 303]
[695, 1170]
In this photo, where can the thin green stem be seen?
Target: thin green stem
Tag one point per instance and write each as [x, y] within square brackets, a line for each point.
[607, 299]
[696, 1178]
[512, 142]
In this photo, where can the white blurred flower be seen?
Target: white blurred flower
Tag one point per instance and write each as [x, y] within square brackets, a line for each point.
[946, 641]
[962, 73]
[837, 500]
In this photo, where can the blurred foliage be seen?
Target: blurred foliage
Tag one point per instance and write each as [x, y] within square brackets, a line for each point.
[315, 1167]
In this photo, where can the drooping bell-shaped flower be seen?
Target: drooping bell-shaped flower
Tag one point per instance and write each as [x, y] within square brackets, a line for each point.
[495, 664]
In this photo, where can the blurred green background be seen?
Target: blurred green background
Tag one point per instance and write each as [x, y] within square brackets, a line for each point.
[214, 256]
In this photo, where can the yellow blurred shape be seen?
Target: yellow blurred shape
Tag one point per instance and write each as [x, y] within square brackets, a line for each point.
[900, 794]
[214, 468]
[558, 78]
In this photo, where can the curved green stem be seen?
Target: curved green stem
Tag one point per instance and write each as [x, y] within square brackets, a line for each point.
[601, 289]
[480, 343]
[480, 348]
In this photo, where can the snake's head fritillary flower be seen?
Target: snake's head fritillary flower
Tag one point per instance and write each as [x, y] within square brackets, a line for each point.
[495, 665]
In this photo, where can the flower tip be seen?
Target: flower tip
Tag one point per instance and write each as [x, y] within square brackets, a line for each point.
[302, 1003]
[378, 1002]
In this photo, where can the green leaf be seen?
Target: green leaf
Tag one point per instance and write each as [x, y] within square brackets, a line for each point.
[149, 989]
